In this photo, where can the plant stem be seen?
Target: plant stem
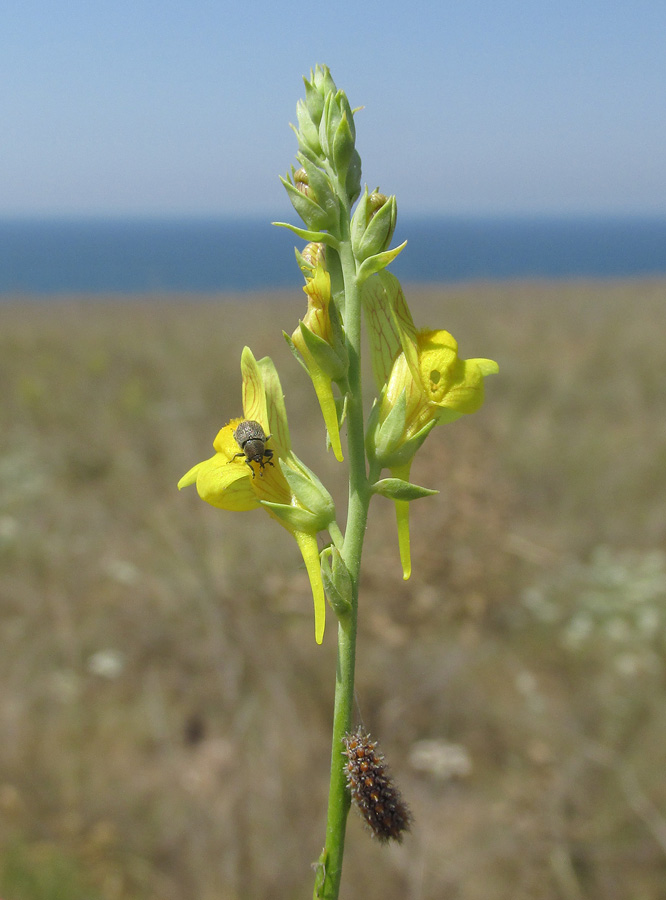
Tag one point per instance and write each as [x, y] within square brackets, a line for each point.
[327, 881]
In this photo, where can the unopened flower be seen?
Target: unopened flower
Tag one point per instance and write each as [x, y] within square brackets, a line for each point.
[373, 224]
[319, 340]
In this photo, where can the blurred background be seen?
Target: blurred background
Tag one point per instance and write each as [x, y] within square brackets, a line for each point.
[165, 711]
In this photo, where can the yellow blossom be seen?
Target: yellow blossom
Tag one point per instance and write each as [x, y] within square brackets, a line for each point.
[423, 383]
[287, 489]
[438, 385]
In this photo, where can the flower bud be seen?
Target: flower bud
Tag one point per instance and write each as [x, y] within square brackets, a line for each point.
[316, 89]
[322, 81]
[373, 224]
[337, 581]
[320, 341]
[308, 131]
[375, 202]
[312, 508]
[302, 182]
[313, 254]
[312, 197]
[342, 148]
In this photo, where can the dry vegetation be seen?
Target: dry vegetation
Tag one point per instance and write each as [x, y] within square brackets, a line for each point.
[164, 709]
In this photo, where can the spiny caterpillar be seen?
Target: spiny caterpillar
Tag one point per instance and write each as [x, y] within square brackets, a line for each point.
[376, 797]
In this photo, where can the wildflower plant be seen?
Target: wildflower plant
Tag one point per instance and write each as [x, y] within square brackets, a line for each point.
[420, 382]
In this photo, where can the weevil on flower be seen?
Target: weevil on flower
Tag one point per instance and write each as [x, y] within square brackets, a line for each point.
[251, 438]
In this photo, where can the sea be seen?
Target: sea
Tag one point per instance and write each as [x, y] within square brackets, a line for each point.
[42, 258]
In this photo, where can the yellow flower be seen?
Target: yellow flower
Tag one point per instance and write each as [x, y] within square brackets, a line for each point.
[284, 486]
[437, 384]
[423, 383]
[319, 340]
[421, 379]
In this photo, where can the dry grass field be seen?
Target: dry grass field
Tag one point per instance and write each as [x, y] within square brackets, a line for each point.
[164, 710]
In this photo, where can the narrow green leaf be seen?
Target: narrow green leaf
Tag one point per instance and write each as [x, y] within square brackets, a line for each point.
[316, 237]
[397, 489]
[374, 263]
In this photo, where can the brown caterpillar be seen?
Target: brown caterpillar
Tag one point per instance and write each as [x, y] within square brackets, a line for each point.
[372, 791]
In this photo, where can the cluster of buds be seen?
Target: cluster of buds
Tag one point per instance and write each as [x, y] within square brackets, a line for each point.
[327, 182]
[326, 147]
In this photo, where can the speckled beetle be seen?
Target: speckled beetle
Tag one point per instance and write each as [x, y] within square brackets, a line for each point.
[251, 438]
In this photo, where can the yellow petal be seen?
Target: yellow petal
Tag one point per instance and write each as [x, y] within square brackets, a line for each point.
[276, 411]
[189, 477]
[254, 395]
[486, 366]
[402, 519]
[389, 323]
[318, 289]
[464, 391]
[225, 442]
[224, 484]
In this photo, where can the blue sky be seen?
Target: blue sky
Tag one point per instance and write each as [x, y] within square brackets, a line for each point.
[182, 108]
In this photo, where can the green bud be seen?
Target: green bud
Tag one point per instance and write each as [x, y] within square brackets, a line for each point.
[308, 132]
[383, 439]
[312, 255]
[312, 214]
[320, 190]
[327, 111]
[302, 183]
[373, 225]
[309, 492]
[346, 110]
[316, 89]
[323, 80]
[324, 125]
[337, 581]
[375, 201]
[343, 148]
[407, 450]
[314, 101]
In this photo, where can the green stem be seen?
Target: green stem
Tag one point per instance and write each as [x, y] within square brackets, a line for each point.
[329, 872]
